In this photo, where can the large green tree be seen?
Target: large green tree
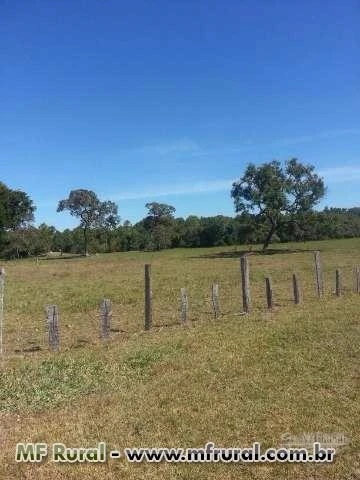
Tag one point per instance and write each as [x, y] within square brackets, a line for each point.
[277, 193]
[93, 213]
[159, 212]
[16, 208]
[160, 224]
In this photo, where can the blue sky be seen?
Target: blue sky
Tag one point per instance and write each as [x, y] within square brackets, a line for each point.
[169, 100]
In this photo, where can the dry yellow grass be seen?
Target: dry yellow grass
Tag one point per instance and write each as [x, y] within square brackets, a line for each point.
[234, 381]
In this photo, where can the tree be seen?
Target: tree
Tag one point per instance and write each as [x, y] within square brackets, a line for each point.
[192, 231]
[46, 237]
[277, 194]
[213, 231]
[159, 222]
[159, 212]
[16, 208]
[93, 213]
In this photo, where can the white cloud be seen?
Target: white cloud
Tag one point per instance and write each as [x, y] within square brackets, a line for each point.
[320, 135]
[177, 189]
[341, 174]
[332, 175]
[191, 148]
[182, 146]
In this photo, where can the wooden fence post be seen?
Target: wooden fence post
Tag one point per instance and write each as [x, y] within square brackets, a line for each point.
[318, 274]
[215, 299]
[245, 283]
[297, 289]
[105, 317]
[52, 316]
[338, 283]
[269, 292]
[356, 272]
[184, 306]
[148, 298]
[2, 289]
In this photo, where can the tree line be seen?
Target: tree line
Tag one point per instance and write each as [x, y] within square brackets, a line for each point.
[273, 203]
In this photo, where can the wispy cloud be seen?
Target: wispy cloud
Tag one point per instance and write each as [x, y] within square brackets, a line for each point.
[158, 191]
[340, 174]
[332, 175]
[180, 151]
[176, 147]
[177, 189]
[316, 136]
[187, 147]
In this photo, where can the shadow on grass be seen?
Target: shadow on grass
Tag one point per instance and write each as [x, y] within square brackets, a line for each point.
[240, 253]
[35, 348]
[61, 257]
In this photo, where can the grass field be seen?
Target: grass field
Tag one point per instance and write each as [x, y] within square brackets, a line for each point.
[232, 381]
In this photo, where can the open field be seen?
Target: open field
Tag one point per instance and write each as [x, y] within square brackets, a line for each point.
[232, 381]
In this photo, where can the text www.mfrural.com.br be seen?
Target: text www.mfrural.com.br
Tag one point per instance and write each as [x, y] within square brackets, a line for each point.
[38, 452]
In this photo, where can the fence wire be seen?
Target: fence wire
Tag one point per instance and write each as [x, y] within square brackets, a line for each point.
[79, 304]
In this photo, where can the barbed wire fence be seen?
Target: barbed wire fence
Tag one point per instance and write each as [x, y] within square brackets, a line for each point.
[182, 306]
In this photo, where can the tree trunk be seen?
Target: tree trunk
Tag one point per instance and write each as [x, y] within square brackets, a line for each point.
[85, 242]
[269, 235]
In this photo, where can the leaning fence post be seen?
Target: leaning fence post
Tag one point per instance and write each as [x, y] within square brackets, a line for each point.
[318, 274]
[105, 317]
[356, 272]
[338, 283]
[148, 297]
[269, 292]
[245, 283]
[52, 316]
[184, 306]
[297, 289]
[2, 289]
[215, 299]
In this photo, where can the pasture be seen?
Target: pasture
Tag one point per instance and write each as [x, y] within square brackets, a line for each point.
[232, 381]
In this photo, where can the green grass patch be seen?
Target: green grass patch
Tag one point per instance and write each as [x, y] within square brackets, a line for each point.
[37, 385]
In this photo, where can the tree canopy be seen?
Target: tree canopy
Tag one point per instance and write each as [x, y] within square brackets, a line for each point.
[16, 208]
[159, 223]
[84, 204]
[160, 211]
[277, 194]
